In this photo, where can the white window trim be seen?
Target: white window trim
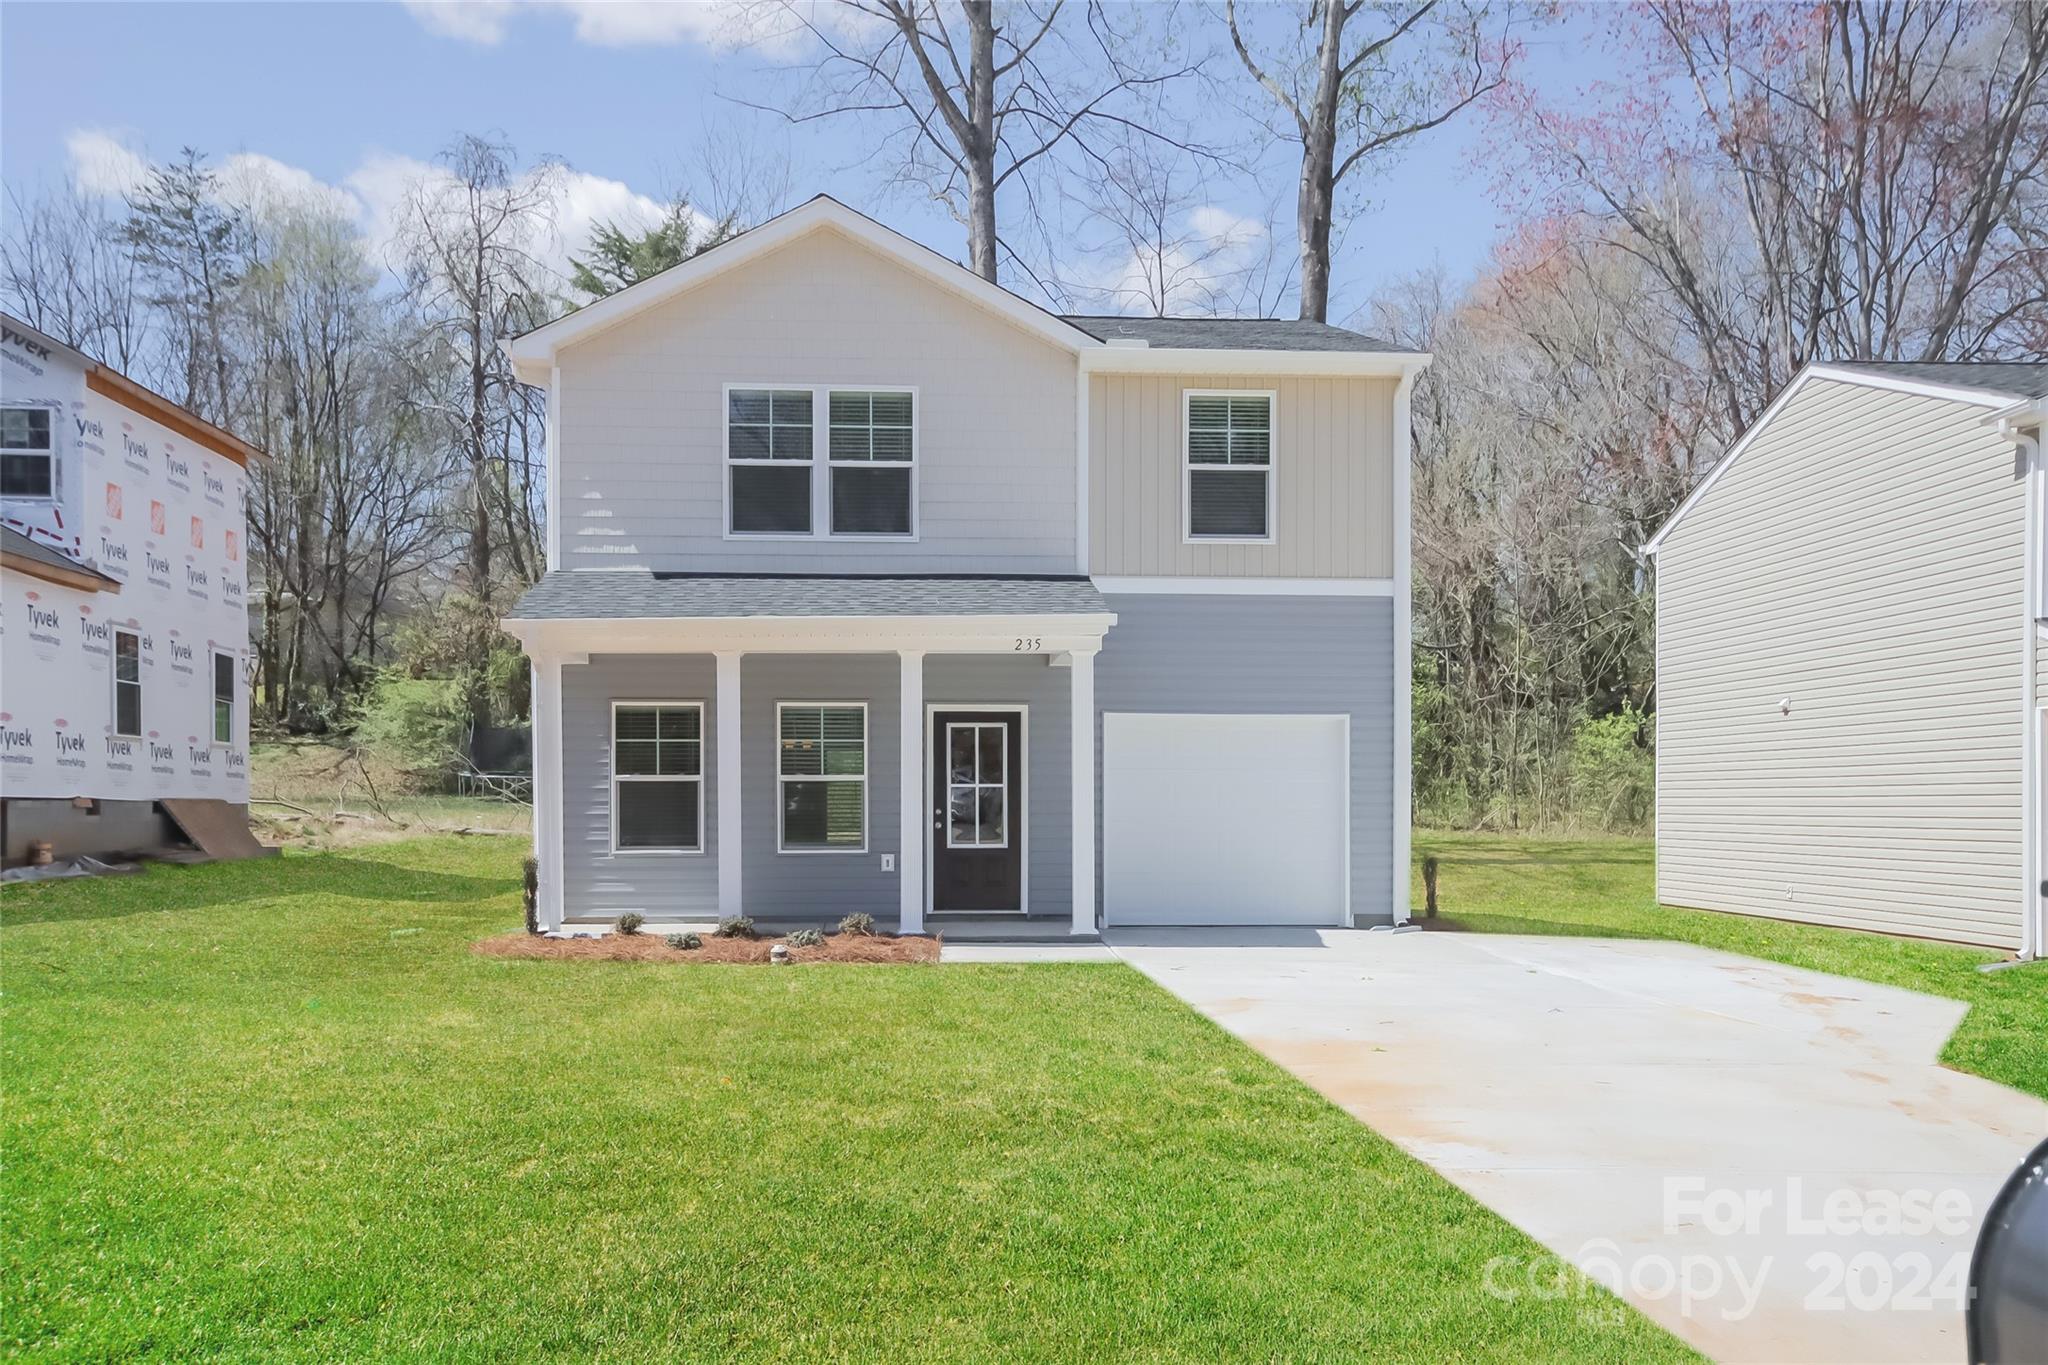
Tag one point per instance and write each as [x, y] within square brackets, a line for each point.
[56, 493]
[1188, 468]
[946, 759]
[821, 463]
[213, 696]
[612, 749]
[141, 697]
[867, 813]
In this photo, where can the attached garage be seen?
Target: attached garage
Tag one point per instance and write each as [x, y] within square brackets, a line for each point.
[1225, 819]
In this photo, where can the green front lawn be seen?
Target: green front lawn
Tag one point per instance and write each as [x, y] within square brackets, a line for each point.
[279, 1109]
[1607, 887]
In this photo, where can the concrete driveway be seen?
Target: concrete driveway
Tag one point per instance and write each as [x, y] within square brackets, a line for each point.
[1767, 1161]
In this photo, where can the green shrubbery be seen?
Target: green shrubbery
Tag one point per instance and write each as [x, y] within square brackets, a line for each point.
[806, 938]
[738, 926]
[1614, 771]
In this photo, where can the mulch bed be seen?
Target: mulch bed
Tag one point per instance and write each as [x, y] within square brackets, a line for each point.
[646, 947]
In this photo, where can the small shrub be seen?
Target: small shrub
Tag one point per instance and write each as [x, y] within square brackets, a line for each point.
[1614, 772]
[806, 938]
[683, 942]
[532, 896]
[858, 924]
[629, 923]
[738, 926]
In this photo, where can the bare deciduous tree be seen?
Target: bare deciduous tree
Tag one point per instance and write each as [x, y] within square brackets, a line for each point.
[1347, 97]
[66, 271]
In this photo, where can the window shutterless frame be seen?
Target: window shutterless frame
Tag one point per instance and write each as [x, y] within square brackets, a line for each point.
[28, 452]
[821, 463]
[127, 684]
[223, 698]
[1190, 471]
[783, 779]
[618, 778]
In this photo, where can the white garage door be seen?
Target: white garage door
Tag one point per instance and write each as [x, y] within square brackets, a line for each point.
[1224, 819]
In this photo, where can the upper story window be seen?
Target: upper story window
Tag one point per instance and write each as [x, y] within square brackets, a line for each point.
[769, 440]
[28, 453]
[866, 448]
[873, 441]
[1229, 466]
[127, 684]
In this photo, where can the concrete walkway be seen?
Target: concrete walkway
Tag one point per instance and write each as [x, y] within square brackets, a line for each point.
[1767, 1161]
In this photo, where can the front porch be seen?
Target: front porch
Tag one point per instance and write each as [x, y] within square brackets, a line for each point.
[795, 767]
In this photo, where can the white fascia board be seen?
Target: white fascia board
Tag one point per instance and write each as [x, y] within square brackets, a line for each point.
[1020, 634]
[1870, 379]
[533, 353]
[1840, 374]
[1247, 587]
[1306, 364]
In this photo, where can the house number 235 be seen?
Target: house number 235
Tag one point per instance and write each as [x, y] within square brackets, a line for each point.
[1029, 644]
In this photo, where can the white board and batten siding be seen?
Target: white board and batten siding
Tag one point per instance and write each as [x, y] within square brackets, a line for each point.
[1863, 564]
[1333, 478]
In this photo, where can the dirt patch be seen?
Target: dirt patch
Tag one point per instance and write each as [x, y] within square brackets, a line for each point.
[651, 948]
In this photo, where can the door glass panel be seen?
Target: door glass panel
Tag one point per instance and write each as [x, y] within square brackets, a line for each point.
[960, 752]
[992, 812]
[960, 818]
[992, 737]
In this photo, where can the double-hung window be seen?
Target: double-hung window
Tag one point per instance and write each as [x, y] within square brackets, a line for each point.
[821, 462]
[127, 684]
[223, 698]
[657, 777]
[822, 776]
[872, 448]
[1229, 469]
[28, 453]
[768, 443]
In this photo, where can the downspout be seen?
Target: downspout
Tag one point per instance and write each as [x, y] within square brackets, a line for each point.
[2031, 927]
[1404, 647]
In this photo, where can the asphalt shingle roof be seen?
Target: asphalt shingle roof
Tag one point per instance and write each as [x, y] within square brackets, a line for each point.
[2018, 378]
[636, 594]
[1230, 334]
[15, 543]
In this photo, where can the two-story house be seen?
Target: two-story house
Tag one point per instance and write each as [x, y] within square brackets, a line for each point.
[877, 588]
[124, 700]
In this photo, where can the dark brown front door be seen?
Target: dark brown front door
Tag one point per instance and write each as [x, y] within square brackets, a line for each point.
[977, 810]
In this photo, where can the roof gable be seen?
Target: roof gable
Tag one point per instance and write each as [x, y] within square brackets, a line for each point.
[533, 354]
[1871, 375]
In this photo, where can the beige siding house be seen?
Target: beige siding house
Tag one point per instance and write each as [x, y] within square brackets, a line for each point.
[1849, 662]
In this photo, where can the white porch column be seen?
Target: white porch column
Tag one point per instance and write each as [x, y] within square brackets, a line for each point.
[547, 787]
[1082, 722]
[730, 768]
[911, 857]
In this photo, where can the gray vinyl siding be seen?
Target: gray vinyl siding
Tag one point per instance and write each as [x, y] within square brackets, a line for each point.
[1333, 495]
[1255, 655]
[1864, 561]
[640, 459]
[598, 883]
[812, 885]
[967, 681]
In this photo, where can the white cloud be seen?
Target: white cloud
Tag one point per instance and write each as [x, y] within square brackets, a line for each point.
[720, 25]
[374, 195]
[104, 164]
[471, 21]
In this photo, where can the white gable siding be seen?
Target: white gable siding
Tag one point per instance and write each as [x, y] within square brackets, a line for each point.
[1863, 560]
[642, 420]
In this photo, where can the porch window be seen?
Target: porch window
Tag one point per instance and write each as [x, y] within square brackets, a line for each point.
[1229, 468]
[768, 449]
[28, 453]
[873, 448]
[822, 776]
[127, 684]
[657, 777]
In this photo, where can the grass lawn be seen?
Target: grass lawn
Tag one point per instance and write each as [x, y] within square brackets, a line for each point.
[279, 1108]
[1607, 887]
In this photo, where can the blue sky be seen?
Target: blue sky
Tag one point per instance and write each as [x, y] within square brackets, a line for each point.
[359, 95]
